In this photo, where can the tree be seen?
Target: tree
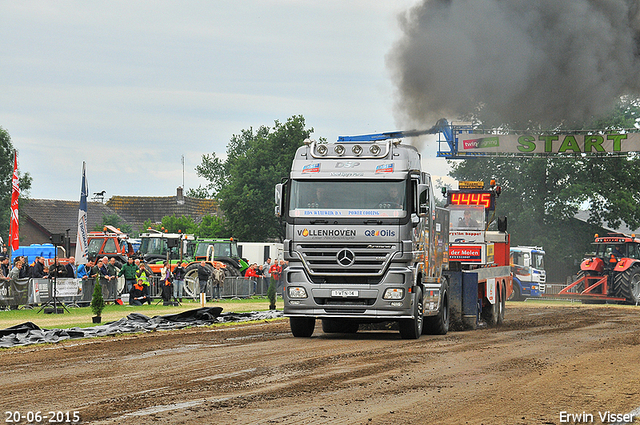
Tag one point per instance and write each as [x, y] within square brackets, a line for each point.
[114, 221]
[6, 171]
[244, 182]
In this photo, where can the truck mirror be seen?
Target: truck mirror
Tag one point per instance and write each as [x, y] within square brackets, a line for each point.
[278, 199]
[423, 200]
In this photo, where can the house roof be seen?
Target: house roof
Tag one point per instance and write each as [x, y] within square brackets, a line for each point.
[137, 209]
[56, 216]
[584, 215]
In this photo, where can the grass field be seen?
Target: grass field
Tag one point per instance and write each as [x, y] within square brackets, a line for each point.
[81, 316]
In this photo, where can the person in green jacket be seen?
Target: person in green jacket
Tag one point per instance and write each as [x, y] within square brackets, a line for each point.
[129, 272]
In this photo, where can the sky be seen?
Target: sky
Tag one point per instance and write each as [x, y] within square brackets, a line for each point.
[130, 87]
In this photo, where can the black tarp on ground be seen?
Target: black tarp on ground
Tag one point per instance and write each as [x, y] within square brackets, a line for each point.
[29, 333]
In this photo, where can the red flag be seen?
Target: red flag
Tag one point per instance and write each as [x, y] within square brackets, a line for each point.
[14, 240]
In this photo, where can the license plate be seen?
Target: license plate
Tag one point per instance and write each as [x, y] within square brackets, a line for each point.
[344, 293]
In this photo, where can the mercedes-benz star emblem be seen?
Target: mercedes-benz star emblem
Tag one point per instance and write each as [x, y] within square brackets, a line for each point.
[345, 257]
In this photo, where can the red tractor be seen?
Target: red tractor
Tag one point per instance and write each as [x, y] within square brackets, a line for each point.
[612, 273]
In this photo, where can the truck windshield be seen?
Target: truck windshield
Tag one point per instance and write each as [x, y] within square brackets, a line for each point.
[153, 246]
[353, 198]
[538, 261]
[466, 218]
[220, 249]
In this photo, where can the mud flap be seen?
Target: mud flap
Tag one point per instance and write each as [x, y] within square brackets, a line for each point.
[463, 299]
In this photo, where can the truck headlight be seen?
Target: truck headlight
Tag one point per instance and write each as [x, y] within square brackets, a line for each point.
[297, 292]
[393, 294]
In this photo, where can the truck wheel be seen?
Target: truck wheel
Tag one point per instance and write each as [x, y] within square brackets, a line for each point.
[302, 327]
[412, 328]
[627, 284]
[515, 294]
[438, 324]
[230, 270]
[330, 326]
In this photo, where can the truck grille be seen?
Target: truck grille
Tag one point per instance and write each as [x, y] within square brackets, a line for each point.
[346, 260]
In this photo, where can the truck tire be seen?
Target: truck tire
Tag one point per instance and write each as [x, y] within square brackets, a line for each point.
[330, 326]
[412, 328]
[627, 284]
[516, 295]
[302, 327]
[438, 324]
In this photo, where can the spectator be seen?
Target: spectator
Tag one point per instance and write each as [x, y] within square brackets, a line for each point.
[14, 274]
[178, 281]
[265, 268]
[4, 274]
[113, 277]
[84, 270]
[137, 296]
[251, 273]
[4, 264]
[129, 272]
[143, 274]
[203, 277]
[217, 279]
[37, 271]
[275, 271]
[71, 267]
[57, 269]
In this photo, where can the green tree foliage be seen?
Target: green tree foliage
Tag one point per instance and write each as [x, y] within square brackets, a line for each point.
[244, 182]
[6, 171]
[114, 221]
[542, 195]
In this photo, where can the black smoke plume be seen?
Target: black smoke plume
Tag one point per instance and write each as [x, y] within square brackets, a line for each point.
[542, 61]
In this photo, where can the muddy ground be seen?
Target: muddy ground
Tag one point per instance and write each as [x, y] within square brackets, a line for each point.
[545, 359]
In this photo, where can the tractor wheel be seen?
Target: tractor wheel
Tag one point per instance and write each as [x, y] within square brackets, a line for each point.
[412, 328]
[438, 324]
[302, 327]
[231, 270]
[627, 284]
[339, 326]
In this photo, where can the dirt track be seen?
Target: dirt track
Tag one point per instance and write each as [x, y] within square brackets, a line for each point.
[544, 360]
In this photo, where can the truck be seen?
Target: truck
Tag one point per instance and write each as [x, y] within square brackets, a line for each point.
[479, 253]
[527, 269]
[366, 243]
[611, 273]
[111, 243]
[258, 252]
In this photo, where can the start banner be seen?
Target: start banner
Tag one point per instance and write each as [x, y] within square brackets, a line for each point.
[474, 144]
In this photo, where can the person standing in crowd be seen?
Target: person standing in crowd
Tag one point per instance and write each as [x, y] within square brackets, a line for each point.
[37, 271]
[129, 272]
[217, 280]
[4, 274]
[57, 269]
[251, 274]
[265, 269]
[113, 277]
[203, 277]
[179, 273]
[137, 296]
[71, 267]
[143, 274]
[84, 270]
[283, 268]
[14, 274]
[4, 264]
[275, 271]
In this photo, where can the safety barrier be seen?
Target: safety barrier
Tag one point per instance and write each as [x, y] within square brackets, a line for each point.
[73, 291]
